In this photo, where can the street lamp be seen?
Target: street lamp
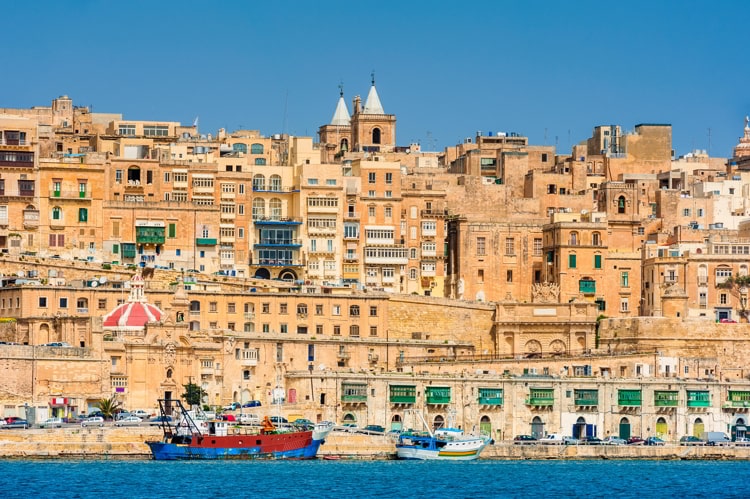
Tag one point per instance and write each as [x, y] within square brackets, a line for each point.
[312, 395]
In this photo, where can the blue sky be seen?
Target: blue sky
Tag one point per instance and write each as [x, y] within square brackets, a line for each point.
[549, 70]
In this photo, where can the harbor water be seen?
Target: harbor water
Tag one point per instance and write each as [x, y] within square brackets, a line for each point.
[126, 479]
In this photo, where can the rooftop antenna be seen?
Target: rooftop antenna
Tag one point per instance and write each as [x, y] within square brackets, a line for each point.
[341, 88]
[372, 75]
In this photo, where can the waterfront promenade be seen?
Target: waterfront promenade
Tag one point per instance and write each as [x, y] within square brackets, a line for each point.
[128, 443]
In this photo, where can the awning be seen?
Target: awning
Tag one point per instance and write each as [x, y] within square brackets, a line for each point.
[740, 428]
[59, 401]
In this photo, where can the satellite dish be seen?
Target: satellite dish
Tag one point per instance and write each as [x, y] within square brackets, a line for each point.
[94, 284]
[21, 273]
[102, 279]
[322, 367]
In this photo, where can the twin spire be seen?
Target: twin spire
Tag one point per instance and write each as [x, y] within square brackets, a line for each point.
[341, 116]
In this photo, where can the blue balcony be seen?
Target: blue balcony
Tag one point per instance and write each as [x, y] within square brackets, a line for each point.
[279, 243]
[277, 221]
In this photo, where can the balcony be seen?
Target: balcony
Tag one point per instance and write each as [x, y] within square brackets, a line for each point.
[323, 251]
[228, 195]
[30, 219]
[274, 188]
[698, 398]
[586, 398]
[250, 358]
[629, 398]
[351, 215]
[322, 209]
[277, 221]
[353, 393]
[205, 241]
[429, 232]
[225, 215]
[207, 370]
[343, 355]
[321, 231]
[226, 239]
[282, 262]
[149, 235]
[403, 394]
[490, 396]
[179, 184]
[432, 213]
[737, 400]
[276, 243]
[702, 280]
[438, 395]
[249, 316]
[71, 195]
[665, 399]
[541, 398]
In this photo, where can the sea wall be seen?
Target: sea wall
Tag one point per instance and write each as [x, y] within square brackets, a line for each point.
[129, 443]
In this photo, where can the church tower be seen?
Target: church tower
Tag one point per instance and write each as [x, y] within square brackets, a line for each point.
[372, 129]
[336, 137]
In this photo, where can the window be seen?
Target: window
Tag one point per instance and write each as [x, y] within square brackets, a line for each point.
[370, 211]
[337, 330]
[624, 305]
[213, 306]
[723, 298]
[42, 302]
[283, 308]
[510, 246]
[155, 131]
[172, 233]
[373, 330]
[83, 214]
[128, 130]
[354, 330]
[56, 213]
[597, 261]
[509, 276]
[686, 212]
[537, 246]
[371, 178]
[231, 308]
[102, 304]
[373, 311]
[388, 178]
[63, 303]
[574, 238]
[621, 204]
[354, 310]
[336, 310]
[481, 250]
[624, 280]
[572, 261]
[284, 328]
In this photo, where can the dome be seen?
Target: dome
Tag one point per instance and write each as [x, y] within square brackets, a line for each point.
[136, 312]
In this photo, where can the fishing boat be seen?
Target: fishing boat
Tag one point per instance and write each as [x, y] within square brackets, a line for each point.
[191, 438]
[447, 444]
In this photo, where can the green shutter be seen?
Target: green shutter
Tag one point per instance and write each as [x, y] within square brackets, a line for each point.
[172, 230]
[115, 249]
[597, 261]
[572, 261]
[83, 214]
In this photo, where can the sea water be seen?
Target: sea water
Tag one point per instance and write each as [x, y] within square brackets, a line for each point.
[373, 479]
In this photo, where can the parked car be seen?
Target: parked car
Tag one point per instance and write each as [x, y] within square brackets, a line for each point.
[128, 421]
[52, 423]
[95, 414]
[375, 427]
[716, 438]
[249, 419]
[552, 438]
[653, 441]
[252, 403]
[691, 440]
[228, 417]
[728, 321]
[571, 441]
[159, 420]
[524, 439]
[742, 441]
[635, 441]
[278, 420]
[591, 441]
[140, 413]
[611, 440]
[302, 422]
[93, 421]
[232, 407]
[15, 423]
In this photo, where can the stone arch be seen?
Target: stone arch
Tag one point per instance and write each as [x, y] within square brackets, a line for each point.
[438, 422]
[396, 422]
[533, 347]
[557, 347]
[376, 135]
[537, 427]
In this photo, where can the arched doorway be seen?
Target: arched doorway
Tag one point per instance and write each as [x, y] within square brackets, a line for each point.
[625, 428]
[537, 427]
[739, 429]
[579, 429]
[350, 418]
[396, 423]
[661, 428]
[288, 275]
[485, 425]
[438, 422]
[698, 427]
[262, 274]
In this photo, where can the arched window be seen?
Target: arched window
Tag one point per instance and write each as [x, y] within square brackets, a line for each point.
[275, 208]
[376, 136]
[574, 238]
[344, 145]
[134, 175]
[169, 374]
[596, 239]
[621, 204]
[239, 147]
[275, 182]
[438, 422]
[256, 149]
[259, 183]
[350, 418]
[56, 213]
[82, 304]
[195, 306]
[412, 274]
[259, 208]
[396, 422]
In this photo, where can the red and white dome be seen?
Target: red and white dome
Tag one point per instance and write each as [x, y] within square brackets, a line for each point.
[136, 313]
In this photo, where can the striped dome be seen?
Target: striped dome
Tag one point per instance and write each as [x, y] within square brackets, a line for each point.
[136, 313]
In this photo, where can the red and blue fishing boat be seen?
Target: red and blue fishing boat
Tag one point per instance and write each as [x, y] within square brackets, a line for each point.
[190, 438]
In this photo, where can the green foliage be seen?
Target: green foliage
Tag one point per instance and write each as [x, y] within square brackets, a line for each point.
[108, 406]
[193, 394]
[735, 282]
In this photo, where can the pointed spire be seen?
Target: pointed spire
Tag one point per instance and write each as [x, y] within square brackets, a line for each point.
[372, 104]
[341, 115]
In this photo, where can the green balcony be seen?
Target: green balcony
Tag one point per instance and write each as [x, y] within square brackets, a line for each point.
[629, 398]
[149, 235]
[665, 399]
[586, 397]
[490, 396]
[737, 399]
[698, 398]
[543, 397]
[438, 395]
[403, 394]
[587, 287]
[353, 393]
[128, 250]
[205, 241]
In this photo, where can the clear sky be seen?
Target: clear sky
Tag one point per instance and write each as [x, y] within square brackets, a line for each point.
[551, 70]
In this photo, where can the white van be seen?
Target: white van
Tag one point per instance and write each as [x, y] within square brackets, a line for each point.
[251, 419]
[552, 438]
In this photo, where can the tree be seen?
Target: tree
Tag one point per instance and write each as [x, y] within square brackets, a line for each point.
[193, 394]
[109, 406]
[738, 288]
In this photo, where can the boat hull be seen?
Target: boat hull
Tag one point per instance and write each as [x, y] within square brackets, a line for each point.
[299, 445]
[429, 449]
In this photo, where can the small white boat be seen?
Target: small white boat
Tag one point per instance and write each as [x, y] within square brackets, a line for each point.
[442, 444]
